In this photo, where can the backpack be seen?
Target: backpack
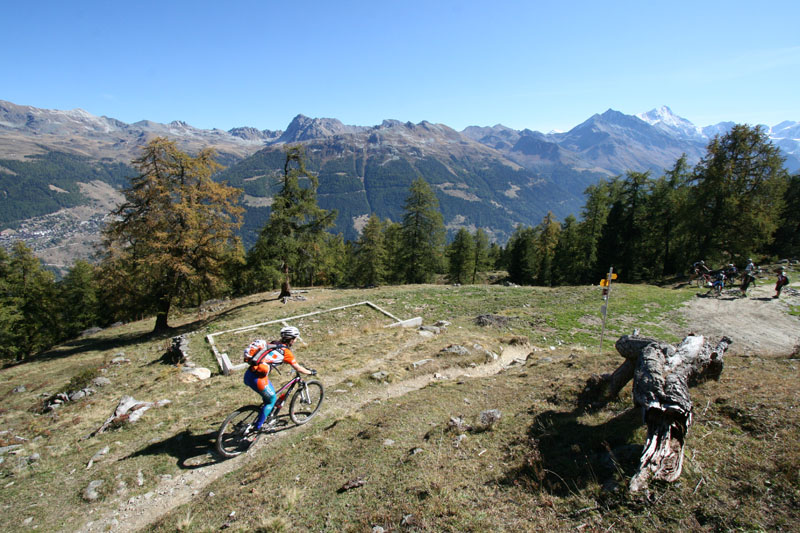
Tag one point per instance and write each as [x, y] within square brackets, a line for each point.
[261, 352]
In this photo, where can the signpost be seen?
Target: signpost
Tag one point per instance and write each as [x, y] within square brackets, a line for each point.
[606, 284]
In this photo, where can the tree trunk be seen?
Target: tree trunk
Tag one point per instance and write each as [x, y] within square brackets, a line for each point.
[162, 314]
[286, 289]
[661, 376]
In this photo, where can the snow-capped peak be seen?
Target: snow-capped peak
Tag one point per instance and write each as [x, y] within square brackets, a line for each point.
[663, 118]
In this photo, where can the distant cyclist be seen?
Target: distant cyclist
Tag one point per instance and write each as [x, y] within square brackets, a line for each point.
[783, 280]
[748, 275]
[262, 356]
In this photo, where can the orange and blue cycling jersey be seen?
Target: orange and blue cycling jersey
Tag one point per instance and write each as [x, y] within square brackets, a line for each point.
[257, 377]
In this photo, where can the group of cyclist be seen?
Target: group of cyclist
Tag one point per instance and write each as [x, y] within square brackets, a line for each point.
[715, 279]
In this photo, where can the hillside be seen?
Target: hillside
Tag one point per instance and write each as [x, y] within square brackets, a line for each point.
[544, 466]
[494, 178]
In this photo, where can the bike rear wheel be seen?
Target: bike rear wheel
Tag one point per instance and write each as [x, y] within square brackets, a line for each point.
[306, 402]
[237, 433]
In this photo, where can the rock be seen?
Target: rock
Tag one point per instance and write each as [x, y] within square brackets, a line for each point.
[417, 364]
[458, 440]
[433, 329]
[101, 381]
[18, 389]
[90, 493]
[10, 447]
[33, 458]
[456, 349]
[97, 457]
[378, 529]
[426, 333]
[189, 374]
[27, 521]
[162, 403]
[437, 375]
[120, 360]
[388, 442]
[489, 418]
[77, 395]
[441, 323]
[380, 376]
[139, 478]
[458, 424]
[90, 331]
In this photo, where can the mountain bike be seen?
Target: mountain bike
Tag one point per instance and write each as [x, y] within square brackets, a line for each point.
[238, 433]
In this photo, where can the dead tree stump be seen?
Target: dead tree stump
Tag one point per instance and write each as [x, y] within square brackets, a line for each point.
[662, 374]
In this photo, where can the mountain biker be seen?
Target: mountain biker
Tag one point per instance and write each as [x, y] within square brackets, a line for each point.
[782, 280]
[700, 267]
[719, 281]
[257, 376]
[748, 275]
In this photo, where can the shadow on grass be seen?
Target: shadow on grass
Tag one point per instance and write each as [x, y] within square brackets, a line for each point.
[192, 451]
[198, 450]
[564, 455]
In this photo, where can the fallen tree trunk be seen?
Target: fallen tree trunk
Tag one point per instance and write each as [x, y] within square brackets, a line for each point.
[662, 374]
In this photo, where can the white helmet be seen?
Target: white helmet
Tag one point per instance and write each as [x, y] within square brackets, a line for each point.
[290, 332]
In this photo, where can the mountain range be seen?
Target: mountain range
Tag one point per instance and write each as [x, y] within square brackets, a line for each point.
[54, 162]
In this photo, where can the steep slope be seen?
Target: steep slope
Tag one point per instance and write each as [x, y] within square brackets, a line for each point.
[369, 170]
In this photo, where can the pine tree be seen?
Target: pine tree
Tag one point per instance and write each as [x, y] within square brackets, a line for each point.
[523, 261]
[295, 227]
[369, 262]
[422, 233]
[173, 233]
[32, 298]
[79, 300]
[461, 257]
[737, 194]
[480, 259]
[567, 258]
[547, 235]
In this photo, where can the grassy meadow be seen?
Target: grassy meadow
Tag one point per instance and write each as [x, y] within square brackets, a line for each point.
[545, 466]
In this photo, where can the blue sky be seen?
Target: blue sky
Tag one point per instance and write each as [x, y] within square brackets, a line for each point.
[525, 64]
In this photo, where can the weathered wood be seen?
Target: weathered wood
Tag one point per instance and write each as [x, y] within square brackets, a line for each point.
[662, 374]
[661, 388]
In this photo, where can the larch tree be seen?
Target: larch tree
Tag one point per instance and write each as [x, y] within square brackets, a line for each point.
[422, 233]
[461, 257]
[738, 194]
[174, 232]
[296, 223]
[370, 257]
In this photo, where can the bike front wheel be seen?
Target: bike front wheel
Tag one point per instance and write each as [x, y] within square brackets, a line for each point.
[306, 402]
[237, 433]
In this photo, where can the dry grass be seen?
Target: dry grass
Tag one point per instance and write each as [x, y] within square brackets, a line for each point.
[544, 466]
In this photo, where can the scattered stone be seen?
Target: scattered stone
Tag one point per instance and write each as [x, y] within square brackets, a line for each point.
[426, 333]
[378, 529]
[421, 362]
[441, 323]
[97, 457]
[415, 451]
[456, 349]
[437, 375]
[489, 418]
[27, 521]
[101, 381]
[120, 360]
[457, 441]
[380, 376]
[90, 493]
[33, 458]
[9, 448]
[90, 331]
[388, 442]
[492, 320]
[128, 410]
[18, 389]
[139, 478]
[353, 484]
[458, 424]
[189, 375]
[433, 329]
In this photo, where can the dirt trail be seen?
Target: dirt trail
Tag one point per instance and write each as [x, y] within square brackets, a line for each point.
[757, 324]
[137, 512]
